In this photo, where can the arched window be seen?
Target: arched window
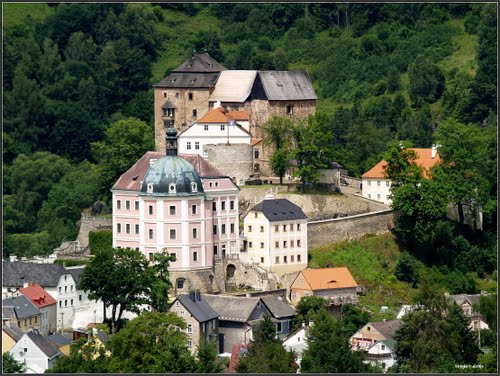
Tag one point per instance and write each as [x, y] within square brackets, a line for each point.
[150, 188]
[172, 188]
[194, 187]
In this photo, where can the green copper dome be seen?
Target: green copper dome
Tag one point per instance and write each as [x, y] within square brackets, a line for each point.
[171, 176]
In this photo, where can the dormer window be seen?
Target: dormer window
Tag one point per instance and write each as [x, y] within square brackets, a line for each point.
[194, 187]
[172, 188]
[150, 188]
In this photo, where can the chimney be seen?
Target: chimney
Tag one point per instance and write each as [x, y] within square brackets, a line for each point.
[13, 258]
[217, 104]
[434, 151]
[303, 324]
[26, 284]
[248, 295]
[198, 295]
[192, 295]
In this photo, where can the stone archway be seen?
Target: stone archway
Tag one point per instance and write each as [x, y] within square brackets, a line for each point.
[230, 269]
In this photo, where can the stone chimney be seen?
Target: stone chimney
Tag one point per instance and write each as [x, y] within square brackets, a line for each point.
[192, 296]
[198, 295]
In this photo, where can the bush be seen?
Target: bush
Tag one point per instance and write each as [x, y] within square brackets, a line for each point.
[100, 240]
[406, 269]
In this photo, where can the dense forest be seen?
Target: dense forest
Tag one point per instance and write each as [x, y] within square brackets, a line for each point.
[78, 100]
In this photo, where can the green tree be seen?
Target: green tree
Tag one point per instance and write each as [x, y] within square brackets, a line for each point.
[120, 279]
[426, 81]
[207, 359]
[159, 281]
[277, 137]
[10, 365]
[84, 357]
[306, 308]
[266, 353]
[353, 318]
[124, 143]
[152, 343]
[322, 357]
[488, 309]
[406, 269]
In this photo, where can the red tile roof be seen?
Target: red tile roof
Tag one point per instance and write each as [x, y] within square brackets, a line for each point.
[239, 115]
[131, 180]
[424, 159]
[37, 295]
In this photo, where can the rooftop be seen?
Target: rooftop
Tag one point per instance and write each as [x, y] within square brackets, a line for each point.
[329, 278]
[38, 296]
[198, 307]
[22, 306]
[233, 86]
[279, 210]
[287, 85]
[15, 274]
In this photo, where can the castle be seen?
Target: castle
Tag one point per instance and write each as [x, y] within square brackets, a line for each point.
[201, 84]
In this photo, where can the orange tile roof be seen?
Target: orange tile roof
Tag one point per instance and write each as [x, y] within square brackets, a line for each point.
[424, 159]
[329, 278]
[217, 115]
[256, 141]
[239, 115]
[37, 295]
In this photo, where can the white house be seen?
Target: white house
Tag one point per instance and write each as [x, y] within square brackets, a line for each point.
[217, 127]
[381, 354]
[297, 341]
[374, 184]
[35, 351]
[276, 235]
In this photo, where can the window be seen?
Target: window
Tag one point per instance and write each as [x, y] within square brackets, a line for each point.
[127, 228]
[65, 288]
[150, 233]
[182, 313]
[150, 210]
[173, 233]
[195, 233]
[190, 343]
[137, 205]
[277, 260]
[177, 95]
[298, 243]
[119, 228]
[289, 110]
[298, 258]
[188, 145]
[249, 228]
[284, 228]
[214, 204]
[194, 188]
[150, 188]
[284, 244]
[378, 196]
[65, 303]
[60, 303]
[285, 260]
[215, 229]
[80, 297]
[378, 183]
[60, 289]
[195, 256]
[369, 195]
[222, 127]
[216, 249]
[164, 95]
[369, 183]
[261, 228]
[190, 329]
[292, 243]
[292, 258]
[216, 183]
[172, 210]
[193, 209]
[223, 229]
[174, 256]
[255, 215]
[276, 228]
[387, 183]
[127, 205]
[250, 245]
[118, 204]
[261, 245]
[71, 302]
[31, 321]
[223, 205]
[231, 205]
[232, 228]
[65, 277]
[298, 226]
[196, 145]
[256, 154]
[382, 347]
[172, 188]
[136, 229]
[276, 244]
[205, 127]
[71, 288]
[25, 349]
[190, 96]
[195, 113]
[262, 260]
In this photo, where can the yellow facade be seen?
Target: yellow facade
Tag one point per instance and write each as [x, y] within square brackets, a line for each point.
[7, 342]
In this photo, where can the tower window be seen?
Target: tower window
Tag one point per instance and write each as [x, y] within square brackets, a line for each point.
[195, 256]
[173, 234]
[127, 228]
[195, 113]
[172, 210]
[136, 229]
[150, 188]
[190, 96]
[118, 204]
[171, 188]
[150, 233]
[193, 209]
[195, 233]
[118, 228]
[194, 188]
[150, 209]
[256, 154]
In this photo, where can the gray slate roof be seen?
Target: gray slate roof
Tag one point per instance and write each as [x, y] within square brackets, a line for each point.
[279, 210]
[16, 273]
[471, 298]
[23, 307]
[200, 309]
[287, 85]
[76, 273]
[200, 63]
[13, 331]
[278, 307]
[59, 339]
[188, 80]
[231, 308]
[102, 335]
[387, 328]
[43, 344]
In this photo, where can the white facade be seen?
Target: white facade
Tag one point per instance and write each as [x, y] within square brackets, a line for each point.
[278, 246]
[380, 354]
[28, 353]
[378, 189]
[298, 343]
[200, 134]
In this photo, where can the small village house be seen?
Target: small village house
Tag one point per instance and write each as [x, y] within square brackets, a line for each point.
[276, 236]
[202, 321]
[45, 303]
[297, 342]
[23, 313]
[62, 343]
[336, 285]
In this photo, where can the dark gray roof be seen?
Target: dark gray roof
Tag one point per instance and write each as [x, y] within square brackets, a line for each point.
[16, 273]
[168, 104]
[287, 85]
[188, 80]
[278, 307]
[59, 339]
[76, 272]
[200, 63]
[471, 298]
[13, 331]
[231, 308]
[199, 308]
[387, 328]
[172, 170]
[102, 335]
[23, 307]
[43, 344]
[279, 210]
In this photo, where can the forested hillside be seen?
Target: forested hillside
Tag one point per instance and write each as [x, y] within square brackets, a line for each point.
[74, 74]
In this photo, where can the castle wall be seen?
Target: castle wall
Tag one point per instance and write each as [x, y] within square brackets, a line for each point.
[233, 160]
[183, 115]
